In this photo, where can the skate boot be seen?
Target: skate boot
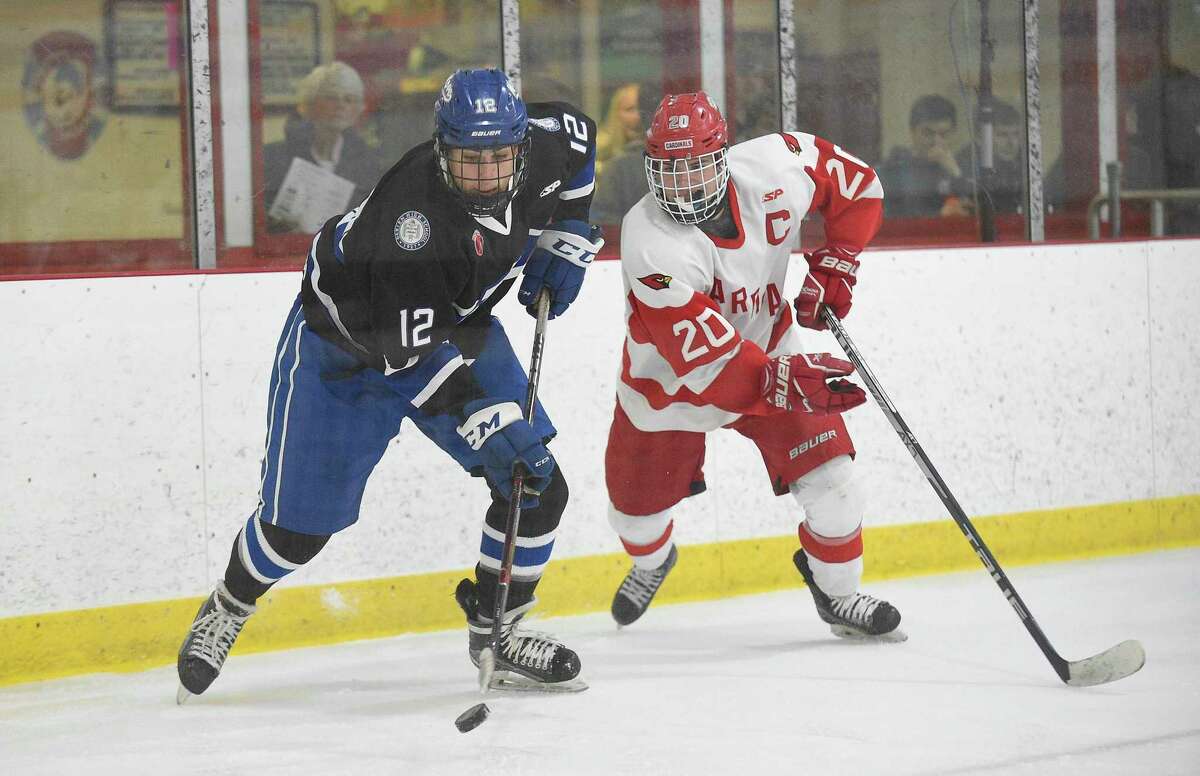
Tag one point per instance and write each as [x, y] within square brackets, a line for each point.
[637, 591]
[527, 660]
[854, 616]
[209, 640]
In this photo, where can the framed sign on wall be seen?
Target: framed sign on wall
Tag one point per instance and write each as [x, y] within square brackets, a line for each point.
[143, 40]
[290, 46]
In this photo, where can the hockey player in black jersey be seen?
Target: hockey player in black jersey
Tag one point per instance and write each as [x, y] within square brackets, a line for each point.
[394, 321]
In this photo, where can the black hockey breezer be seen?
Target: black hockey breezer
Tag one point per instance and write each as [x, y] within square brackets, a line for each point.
[637, 590]
[209, 640]
[537, 657]
[854, 616]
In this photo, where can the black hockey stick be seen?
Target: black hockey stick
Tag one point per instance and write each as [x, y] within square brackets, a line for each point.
[1110, 665]
[487, 657]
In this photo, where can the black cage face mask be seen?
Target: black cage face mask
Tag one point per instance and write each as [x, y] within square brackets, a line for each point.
[484, 179]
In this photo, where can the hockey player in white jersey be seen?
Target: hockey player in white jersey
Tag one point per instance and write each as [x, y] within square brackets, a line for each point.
[710, 343]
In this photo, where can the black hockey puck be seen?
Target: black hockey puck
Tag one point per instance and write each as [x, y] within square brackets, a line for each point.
[472, 718]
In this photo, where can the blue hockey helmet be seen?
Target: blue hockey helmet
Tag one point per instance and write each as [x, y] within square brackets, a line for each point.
[482, 139]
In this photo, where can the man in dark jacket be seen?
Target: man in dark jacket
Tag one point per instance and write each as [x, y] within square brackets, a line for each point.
[330, 104]
[925, 180]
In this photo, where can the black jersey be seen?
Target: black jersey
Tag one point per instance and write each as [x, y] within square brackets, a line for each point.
[409, 275]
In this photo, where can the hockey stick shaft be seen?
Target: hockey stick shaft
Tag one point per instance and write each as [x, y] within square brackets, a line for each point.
[514, 506]
[989, 561]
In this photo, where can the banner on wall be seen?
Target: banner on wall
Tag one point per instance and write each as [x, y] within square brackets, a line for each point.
[59, 93]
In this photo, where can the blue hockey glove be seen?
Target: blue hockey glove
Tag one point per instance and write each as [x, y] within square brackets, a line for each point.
[564, 251]
[498, 430]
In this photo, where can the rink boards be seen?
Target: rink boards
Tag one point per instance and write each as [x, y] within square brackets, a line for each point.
[1053, 387]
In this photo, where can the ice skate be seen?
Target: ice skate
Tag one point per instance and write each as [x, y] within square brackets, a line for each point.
[637, 590]
[209, 640]
[854, 616]
[527, 660]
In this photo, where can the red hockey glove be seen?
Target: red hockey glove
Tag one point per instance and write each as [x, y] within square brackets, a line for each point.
[832, 273]
[799, 382]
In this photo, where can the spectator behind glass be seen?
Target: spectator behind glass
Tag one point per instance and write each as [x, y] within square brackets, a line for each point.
[925, 180]
[1007, 188]
[330, 102]
[623, 124]
[622, 180]
[1163, 148]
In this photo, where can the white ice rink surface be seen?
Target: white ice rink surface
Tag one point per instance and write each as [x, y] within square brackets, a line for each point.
[740, 686]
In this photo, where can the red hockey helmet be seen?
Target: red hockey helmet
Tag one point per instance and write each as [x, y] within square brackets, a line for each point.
[685, 157]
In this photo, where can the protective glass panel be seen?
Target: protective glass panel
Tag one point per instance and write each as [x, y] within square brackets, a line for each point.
[899, 83]
[94, 132]
[1120, 112]
[339, 90]
[1168, 120]
[613, 60]
[1070, 115]
[752, 95]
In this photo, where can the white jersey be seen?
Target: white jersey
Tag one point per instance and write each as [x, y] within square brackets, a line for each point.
[704, 313]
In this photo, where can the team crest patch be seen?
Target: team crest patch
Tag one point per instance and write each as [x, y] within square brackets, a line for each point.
[411, 231]
[656, 281]
[477, 241]
[549, 124]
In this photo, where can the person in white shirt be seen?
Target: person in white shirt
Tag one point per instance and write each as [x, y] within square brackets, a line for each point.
[710, 343]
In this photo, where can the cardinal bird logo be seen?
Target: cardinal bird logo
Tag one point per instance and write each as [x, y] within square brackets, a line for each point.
[656, 281]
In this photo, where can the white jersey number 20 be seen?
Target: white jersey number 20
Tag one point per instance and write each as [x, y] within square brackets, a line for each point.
[688, 327]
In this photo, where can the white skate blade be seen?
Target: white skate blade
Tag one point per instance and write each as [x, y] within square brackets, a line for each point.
[1110, 665]
[181, 695]
[853, 634]
[510, 682]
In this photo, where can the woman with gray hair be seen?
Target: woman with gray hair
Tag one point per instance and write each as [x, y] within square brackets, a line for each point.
[329, 104]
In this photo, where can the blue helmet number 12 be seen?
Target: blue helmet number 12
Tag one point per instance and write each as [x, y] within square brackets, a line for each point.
[485, 105]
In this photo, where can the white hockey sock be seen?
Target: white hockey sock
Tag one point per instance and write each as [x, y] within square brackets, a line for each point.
[832, 531]
[647, 538]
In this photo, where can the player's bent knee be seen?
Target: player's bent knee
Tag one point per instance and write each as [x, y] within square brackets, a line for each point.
[554, 497]
[292, 546]
[831, 497]
[542, 519]
[551, 505]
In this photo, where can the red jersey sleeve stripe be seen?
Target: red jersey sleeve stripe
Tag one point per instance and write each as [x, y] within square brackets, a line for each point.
[687, 337]
[738, 388]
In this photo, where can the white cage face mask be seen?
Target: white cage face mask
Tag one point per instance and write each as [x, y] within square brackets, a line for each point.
[689, 190]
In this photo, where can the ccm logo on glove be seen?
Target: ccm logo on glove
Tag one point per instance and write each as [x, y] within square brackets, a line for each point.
[564, 250]
[487, 421]
[569, 247]
[498, 431]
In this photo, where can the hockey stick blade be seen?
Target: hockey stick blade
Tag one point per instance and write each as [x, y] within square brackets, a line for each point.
[487, 669]
[1110, 665]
